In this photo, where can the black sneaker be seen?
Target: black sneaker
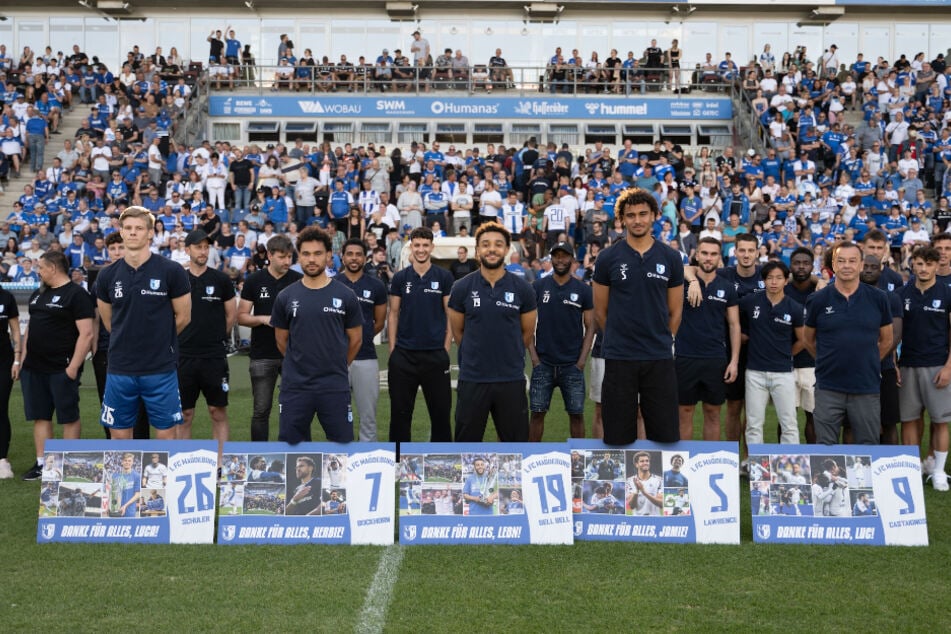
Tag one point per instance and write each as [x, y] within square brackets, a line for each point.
[35, 473]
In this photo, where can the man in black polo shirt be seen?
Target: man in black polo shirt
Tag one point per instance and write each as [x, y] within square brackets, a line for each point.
[254, 311]
[318, 326]
[888, 393]
[561, 344]
[638, 303]
[800, 288]
[202, 346]
[875, 243]
[419, 339]
[772, 324]
[492, 314]
[58, 336]
[707, 358]
[925, 363]
[848, 331]
[144, 302]
[365, 369]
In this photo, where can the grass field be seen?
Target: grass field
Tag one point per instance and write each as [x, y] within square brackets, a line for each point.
[588, 587]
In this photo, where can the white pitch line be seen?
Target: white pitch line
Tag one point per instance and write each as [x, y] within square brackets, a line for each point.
[373, 615]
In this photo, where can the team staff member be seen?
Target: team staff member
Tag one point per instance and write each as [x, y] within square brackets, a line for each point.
[9, 372]
[848, 331]
[203, 352]
[55, 345]
[493, 314]
[704, 363]
[365, 369]
[144, 302]
[800, 288]
[643, 277]
[419, 337]
[888, 392]
[772, 325]
[254, 311]
[318, 328]
[925, 360]
[561, 344]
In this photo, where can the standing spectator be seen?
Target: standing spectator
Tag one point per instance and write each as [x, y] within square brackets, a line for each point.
[216, 46]
[37, 134]
[240, 176]
[419, 49]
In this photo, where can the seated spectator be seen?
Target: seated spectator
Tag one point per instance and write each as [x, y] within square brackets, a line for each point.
[499, 72]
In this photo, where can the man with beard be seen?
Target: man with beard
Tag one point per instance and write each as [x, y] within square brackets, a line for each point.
[203, 352]
[704, 363]
[479, 489]
[800, 289]
[492, 314]
[639, 276]
[419, 339]
[875, 243]
[365, 370]
[318, 328]
[562, 343]
[305, 500]
[888, 393]
[254, 311]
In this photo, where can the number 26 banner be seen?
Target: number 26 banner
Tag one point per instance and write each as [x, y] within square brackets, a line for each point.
[484, 493]
[310, 493]
[685, 492]
[143, 491]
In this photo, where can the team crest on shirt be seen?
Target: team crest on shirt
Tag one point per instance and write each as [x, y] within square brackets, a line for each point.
[55, 299]
[573, 297]
[366, 293]
[891, 287]
[155, 284]
[2, 307]
[510, 297]
[209, 290]
[661, 269]
[936, 303]
[721, 293]
[761, 284]
[337, 302]
[434, 286]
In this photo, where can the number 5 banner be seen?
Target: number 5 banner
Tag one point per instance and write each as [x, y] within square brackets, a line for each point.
[837, 494]
[686, 492]
[145, 491]
[311, 493]
[484, 493]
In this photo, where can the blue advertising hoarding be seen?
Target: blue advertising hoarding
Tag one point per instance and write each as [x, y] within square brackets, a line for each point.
[837, 494]
[310, 493]
[489, 107]
[686, 492]
[132, 491]
[484, 493]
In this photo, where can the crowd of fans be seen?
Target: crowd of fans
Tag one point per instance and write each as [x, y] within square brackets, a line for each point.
[818, 180]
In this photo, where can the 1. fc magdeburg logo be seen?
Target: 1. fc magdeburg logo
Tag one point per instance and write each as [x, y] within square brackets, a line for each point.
[409, 532]
[763, 531]
[228, 533]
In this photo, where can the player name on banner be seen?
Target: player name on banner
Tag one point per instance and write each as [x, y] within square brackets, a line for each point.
[837, 494]
[686, 492]
[145, 491]
[310, 493]
[484, 493]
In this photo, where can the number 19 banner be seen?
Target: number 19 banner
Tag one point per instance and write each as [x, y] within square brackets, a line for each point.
[145, 491]
[837, 494]
[310, 493]
[484, 493]
[685, 492]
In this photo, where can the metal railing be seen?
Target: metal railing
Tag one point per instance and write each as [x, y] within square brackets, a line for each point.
[420, 80]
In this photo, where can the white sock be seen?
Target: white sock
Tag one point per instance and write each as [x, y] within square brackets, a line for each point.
[39, 461]
[940, 458]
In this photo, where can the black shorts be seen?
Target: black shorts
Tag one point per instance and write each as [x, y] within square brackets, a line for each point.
[736, 391]
[700, 381]
[203, 376]
[45, 393]
[649, 385]
[891, 412]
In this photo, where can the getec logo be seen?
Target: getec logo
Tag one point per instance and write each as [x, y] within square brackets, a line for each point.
[314, 106]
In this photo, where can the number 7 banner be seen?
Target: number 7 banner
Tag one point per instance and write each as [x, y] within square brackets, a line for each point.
[318, 493]
[484, 493]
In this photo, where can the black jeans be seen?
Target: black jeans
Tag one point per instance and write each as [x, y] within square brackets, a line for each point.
[408, 371]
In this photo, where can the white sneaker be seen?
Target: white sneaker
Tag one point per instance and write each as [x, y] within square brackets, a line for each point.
[6, 471]
[940, 481]
[927, 466]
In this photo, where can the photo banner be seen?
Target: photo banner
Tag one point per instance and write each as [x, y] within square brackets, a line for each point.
[685, 492]
[310, 493]
[128, 491]
[484, 493]
[837, 494]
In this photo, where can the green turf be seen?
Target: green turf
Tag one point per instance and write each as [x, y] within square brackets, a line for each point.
[588, 587]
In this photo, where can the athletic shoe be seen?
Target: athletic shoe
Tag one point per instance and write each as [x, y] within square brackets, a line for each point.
[35, 473]
[940, 481]
[6, 471]
[927, 465]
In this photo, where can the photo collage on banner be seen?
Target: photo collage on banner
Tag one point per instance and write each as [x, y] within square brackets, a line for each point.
[681, 492]
[488, 493]
[128, 491]
[308, 493]
[838, 494]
